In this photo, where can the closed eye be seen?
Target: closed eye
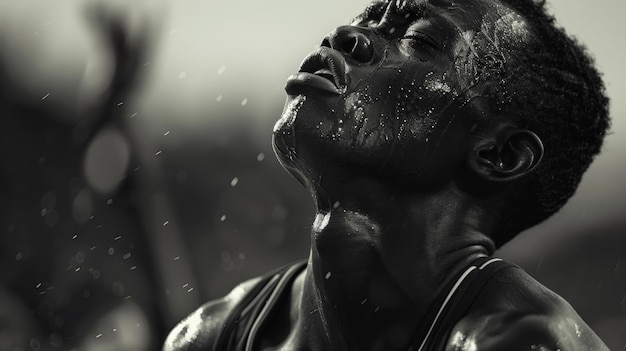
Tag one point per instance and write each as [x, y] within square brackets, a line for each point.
[421, 39]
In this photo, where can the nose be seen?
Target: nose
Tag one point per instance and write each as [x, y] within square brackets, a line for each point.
[351, 41]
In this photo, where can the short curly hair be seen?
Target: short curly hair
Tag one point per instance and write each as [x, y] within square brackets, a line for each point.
[558, 94]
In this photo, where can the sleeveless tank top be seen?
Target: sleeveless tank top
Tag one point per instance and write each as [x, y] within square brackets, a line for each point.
[244, 322]
[453, 303]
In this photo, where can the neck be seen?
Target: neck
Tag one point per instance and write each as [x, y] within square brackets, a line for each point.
[379, 259]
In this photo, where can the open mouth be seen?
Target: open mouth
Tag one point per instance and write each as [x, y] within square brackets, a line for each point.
[323, 69]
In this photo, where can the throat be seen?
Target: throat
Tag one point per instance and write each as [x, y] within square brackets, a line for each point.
[374, 279]
[358, 294]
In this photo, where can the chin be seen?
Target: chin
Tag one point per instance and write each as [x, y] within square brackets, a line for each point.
[283, 142]
[283, 137]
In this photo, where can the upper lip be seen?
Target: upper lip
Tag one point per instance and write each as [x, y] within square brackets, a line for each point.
[325, 62]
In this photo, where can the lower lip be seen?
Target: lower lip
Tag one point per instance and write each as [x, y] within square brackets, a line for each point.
[298, 81]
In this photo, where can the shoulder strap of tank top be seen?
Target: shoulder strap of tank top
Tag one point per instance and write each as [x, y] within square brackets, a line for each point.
[234, 334]
[454, 301]
[264, 312]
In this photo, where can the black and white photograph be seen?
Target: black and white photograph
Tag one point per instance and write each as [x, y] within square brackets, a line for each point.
[348, 175]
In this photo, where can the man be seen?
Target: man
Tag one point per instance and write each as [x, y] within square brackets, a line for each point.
[429, 134]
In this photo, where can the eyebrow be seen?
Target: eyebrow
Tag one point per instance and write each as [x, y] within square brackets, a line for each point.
[435, 11]
[413, 10]
[373, 9]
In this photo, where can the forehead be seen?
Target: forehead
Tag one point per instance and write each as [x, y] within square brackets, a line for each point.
[488, 39]
[463, 15]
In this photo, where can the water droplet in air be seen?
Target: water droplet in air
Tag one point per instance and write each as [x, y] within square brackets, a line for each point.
[234, 181]
[182, 75]
[244, 102]
[223, 218]
[260, 157]
[327, 276]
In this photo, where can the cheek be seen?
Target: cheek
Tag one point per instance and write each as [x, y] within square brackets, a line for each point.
[390, 121]
[405, 110]
[418, 115]
[364, 119]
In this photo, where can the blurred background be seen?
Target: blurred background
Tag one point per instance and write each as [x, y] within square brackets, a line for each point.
[138, 179]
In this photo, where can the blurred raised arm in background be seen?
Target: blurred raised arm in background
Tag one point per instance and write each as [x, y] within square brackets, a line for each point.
[78, 236]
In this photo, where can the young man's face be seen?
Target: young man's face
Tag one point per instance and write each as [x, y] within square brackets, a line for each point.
[391, 93]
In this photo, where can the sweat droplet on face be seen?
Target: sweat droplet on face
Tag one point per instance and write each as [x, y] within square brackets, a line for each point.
[351, 102]
[437, 86]
[359, 114]
[290, 113]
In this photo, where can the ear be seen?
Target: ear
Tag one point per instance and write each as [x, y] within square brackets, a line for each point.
[506, 156]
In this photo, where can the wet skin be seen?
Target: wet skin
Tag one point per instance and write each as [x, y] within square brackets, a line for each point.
[381, 150]
[410, 76]
[381, 145]
[387, 126]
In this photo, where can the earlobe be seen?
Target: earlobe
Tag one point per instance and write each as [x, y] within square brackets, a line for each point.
[512, 154]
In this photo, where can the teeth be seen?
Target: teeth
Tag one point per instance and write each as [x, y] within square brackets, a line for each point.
[327, 74]
[323, 71]
[332, 64]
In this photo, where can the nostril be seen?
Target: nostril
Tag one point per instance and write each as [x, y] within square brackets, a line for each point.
[326, 42]
[348, 45]
[362, 49]
[352, 42]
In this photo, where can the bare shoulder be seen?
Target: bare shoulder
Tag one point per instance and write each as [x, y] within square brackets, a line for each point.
[517, 313]
[200, 329]
[525, 332]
